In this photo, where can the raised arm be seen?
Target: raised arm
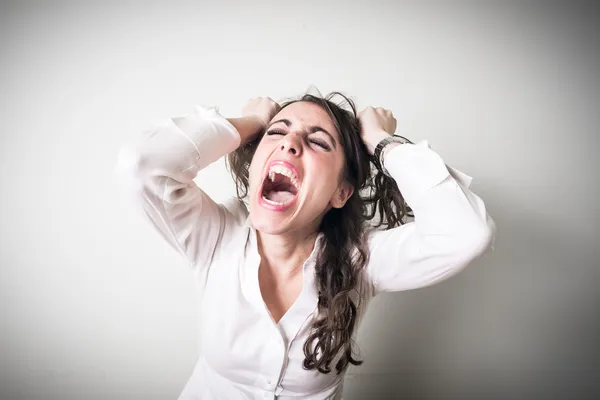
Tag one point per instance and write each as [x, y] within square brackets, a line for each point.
[451, 226]
[159, 168]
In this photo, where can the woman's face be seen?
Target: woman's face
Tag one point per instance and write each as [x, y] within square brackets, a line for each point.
[295, 174]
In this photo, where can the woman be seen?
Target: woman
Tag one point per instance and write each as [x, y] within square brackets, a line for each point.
[285, 279]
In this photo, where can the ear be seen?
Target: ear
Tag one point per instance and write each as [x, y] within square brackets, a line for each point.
[342, 194]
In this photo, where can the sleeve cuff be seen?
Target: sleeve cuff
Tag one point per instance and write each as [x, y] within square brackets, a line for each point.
[212, 135]
[416, 169]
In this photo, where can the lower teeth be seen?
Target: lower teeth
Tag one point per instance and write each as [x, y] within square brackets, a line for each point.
[275, 203]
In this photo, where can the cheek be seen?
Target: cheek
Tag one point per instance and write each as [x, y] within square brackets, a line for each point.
[262, 153]
[326, 178]
[334, 169]
[255, 170]
[252, 174]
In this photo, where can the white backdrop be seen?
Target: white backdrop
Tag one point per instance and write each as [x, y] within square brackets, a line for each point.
[93, 305]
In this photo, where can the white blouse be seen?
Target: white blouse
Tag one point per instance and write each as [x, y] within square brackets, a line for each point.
[244, 353]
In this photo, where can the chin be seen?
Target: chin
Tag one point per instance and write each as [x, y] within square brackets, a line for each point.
[266, 224]
[268, 221]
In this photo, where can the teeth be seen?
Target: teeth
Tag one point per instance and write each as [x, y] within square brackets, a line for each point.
[280, 169]
[275, 203]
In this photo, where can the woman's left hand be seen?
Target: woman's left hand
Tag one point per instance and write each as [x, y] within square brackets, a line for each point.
[375, 124]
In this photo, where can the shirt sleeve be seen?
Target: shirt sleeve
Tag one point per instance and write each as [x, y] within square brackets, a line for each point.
[451, 227]
[158, 171]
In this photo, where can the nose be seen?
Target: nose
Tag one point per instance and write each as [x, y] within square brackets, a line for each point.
[291, 143]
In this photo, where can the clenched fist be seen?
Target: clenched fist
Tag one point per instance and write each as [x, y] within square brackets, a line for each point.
[262, 108]
[375, 124]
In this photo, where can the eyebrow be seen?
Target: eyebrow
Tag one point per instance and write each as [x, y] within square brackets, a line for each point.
[311, 129]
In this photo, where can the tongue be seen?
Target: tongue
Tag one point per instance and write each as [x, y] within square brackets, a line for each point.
[280, 196]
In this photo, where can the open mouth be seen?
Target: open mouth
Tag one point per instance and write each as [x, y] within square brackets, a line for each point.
[280, 186]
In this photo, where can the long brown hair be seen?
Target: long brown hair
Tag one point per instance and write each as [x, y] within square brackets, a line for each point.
[344, 252]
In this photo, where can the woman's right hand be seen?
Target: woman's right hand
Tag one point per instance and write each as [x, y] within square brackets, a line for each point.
[261, 108]
[256, 115]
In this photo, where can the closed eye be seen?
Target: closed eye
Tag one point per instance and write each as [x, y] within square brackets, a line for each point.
[320, 143]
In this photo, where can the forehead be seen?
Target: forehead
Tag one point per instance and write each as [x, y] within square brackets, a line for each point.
[306, 114]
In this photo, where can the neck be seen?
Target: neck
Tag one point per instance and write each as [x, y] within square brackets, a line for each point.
[284, 254]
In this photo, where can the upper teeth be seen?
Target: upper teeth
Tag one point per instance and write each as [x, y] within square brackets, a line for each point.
[283, 170]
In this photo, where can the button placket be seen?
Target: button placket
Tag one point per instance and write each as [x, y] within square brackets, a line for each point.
[271, 384]
[273, 361]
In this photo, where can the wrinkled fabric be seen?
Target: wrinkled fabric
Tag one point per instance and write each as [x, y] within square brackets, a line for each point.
[244, 354]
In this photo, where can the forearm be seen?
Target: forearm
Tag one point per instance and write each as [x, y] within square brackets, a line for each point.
[179, 147]
[438, 195]
[247, 127]
[157, 171]
[451, 227]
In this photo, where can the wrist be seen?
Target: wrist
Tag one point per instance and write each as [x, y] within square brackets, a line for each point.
[248, 127]
[385, 146]
[387, 149]
[374, 138]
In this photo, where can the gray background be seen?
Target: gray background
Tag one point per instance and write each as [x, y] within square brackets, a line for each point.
[93, 305]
